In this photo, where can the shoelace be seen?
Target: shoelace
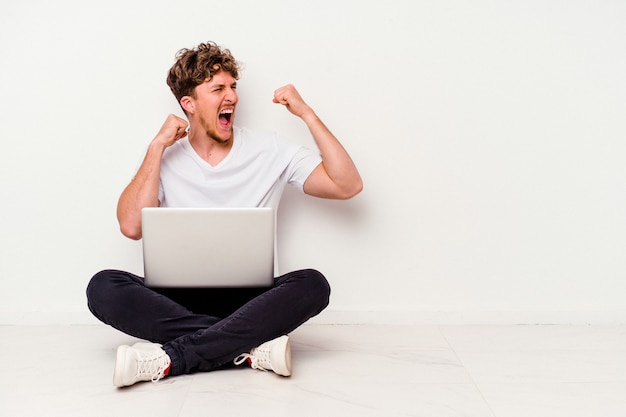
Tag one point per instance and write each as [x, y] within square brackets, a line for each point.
[254, 358]
[153, 365]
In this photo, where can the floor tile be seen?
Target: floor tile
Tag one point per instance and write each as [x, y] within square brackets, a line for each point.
[556, 400]
[549, 366]
[269, 395]
[370, 338]
[532, 338]
[490, 371]
[541, 354]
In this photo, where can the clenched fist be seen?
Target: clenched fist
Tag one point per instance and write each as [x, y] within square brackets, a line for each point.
[173, 129]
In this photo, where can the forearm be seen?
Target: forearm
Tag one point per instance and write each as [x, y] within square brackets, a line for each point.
[337, 176]
[141, 192]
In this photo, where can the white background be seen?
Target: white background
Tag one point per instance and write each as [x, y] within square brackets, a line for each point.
[489, 134]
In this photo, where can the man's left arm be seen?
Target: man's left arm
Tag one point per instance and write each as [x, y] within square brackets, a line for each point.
[336, 176]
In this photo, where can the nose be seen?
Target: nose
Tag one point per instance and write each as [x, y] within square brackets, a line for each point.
[231, 96]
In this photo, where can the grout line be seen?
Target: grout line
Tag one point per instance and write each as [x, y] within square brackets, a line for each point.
[469, 375]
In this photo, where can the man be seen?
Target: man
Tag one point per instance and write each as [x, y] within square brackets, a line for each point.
[208, 162]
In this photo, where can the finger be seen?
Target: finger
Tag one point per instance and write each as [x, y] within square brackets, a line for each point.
[182, 124]
[279, 97]
[181, 132]
[281, 100]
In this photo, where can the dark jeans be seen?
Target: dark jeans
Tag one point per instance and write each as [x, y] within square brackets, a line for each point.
[204, 329]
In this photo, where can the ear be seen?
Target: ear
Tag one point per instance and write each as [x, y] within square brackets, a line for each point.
[187, 104]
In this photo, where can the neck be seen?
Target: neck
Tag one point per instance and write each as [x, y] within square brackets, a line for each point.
[212, 150]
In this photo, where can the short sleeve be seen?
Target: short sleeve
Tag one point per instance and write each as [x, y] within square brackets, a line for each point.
[301, 166]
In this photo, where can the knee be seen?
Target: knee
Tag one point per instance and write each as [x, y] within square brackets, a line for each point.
[99, 283]
[97, 289]
[101, 288]
[317, 287]
[94, 285]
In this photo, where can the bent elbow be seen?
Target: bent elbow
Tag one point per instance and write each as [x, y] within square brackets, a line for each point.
[352, 191]
[131, 232]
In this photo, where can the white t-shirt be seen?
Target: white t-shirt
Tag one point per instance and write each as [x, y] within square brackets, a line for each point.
[253, 174]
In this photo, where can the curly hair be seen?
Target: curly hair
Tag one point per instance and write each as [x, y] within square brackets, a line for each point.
[197, 65]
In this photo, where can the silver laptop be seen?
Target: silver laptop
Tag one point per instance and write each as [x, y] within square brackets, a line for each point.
[208, 247]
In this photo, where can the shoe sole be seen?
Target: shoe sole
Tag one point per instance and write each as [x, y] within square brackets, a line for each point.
[120, 366]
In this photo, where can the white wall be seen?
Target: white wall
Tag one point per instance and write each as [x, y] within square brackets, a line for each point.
[490, 136]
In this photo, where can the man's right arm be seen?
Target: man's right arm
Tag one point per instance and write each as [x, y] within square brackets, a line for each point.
[143, 190]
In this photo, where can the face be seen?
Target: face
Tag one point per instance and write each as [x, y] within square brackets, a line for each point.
[213, 108]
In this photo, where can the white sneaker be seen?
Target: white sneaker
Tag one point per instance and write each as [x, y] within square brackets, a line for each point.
[140, 362]
[274, 355]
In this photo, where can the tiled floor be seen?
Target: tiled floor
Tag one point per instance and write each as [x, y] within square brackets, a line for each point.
[386, 371]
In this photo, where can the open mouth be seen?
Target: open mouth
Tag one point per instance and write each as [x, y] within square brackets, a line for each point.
[225, 117]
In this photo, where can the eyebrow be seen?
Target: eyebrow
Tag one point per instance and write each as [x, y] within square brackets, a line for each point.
[234, 84]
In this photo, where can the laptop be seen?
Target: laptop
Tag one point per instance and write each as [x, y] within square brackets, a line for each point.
[208, 247]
